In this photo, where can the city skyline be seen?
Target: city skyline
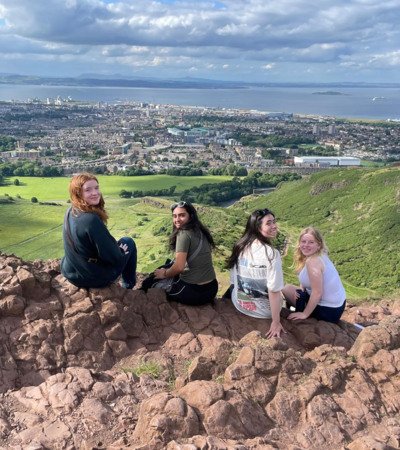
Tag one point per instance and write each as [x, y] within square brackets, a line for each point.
[255, 41]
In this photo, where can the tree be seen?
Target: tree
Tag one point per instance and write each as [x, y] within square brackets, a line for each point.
[16, 182]
[125, 194]
[34, 200]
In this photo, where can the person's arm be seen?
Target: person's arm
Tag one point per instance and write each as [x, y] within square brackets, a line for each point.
[176, 268]
[183, 241]
[276, 327]
[108, 251]
[315, 270]
[274, 286]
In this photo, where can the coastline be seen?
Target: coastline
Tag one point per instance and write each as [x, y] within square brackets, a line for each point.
[356, 104]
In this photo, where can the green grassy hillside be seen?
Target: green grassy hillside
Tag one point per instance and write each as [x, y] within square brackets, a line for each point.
[358, 211]
[34, 231]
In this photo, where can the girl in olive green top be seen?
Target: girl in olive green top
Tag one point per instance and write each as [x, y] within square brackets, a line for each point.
[193, 272]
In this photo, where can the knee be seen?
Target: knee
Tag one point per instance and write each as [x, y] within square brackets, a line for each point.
[285, 291]
[129, 242]
[289, 292]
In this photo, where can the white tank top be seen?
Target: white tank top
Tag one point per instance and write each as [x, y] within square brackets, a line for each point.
[333, 293]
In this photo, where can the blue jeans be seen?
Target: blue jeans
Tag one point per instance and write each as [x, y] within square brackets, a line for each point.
[129, 269]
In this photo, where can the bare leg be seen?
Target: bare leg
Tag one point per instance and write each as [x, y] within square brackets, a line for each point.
[290, 294]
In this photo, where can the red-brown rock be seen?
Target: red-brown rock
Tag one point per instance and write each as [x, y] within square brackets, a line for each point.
[111, 368]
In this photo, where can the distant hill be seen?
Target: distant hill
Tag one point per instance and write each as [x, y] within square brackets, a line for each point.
[107, 81]
[119, 80]
[358, 211]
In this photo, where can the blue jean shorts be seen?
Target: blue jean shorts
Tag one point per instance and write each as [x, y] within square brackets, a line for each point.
[325, 313]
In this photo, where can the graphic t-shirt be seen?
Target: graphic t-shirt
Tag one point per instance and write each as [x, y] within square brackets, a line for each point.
[258, 271]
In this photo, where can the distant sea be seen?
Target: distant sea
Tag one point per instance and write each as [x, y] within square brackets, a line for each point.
[342, 102]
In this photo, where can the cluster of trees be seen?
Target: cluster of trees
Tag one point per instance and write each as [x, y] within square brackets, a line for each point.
[185, 172]
[212, 194]
[153, 193]
[28, 169]
[7, 143]
[190, 170]
[269, 141]
[318, 150]
[134, 172]
[230, 169]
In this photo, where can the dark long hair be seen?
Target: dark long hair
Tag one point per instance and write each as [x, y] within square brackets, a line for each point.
[251, 233]
[194, 223]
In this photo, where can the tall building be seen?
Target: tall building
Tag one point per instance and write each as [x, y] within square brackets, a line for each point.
[332, 129]
[316, 130]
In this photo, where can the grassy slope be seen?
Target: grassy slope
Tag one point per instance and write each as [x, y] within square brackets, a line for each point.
[357, 210]
[358, 213]
[34, 231]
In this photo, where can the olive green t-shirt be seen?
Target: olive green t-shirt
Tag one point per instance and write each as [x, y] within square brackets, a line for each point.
[200, 268]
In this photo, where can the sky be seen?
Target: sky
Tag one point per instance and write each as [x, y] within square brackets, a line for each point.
[238, 40]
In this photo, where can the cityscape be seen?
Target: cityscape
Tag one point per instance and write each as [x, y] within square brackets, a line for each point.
[119, 137]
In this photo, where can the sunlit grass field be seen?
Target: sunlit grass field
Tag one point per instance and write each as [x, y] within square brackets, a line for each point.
[34, 231]
[56, 189]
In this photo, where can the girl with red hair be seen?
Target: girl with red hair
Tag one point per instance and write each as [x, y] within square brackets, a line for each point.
[93, 258]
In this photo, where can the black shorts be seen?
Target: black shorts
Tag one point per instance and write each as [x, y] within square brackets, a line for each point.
[192, 294]
[325, 313]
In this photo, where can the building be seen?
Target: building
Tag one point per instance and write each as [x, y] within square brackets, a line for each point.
[21, 154]
[321, 161]
[316, 130]
[332, 129]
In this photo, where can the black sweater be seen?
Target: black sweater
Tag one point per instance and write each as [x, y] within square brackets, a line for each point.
[98, 260]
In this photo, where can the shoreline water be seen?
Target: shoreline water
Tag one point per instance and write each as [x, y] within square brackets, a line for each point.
[374, 103]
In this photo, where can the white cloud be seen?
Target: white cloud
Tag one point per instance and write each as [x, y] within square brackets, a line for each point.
[206, 35]
[268, 66]
[391, 59]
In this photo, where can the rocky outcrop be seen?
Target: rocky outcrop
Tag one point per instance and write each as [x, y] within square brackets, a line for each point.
[111, 368]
